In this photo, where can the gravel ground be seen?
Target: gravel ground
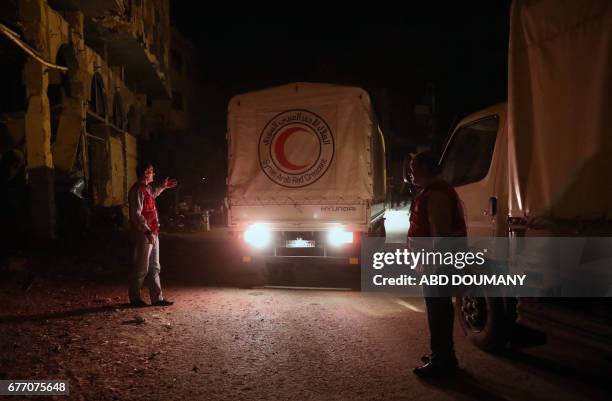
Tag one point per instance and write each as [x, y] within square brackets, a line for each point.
[257, 344]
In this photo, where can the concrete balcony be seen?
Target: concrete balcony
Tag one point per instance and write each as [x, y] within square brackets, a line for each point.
[92, 8]
[134, 34]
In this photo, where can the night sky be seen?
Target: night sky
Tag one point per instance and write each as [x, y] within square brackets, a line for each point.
[456, 56]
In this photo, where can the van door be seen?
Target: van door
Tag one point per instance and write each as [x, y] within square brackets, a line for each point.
[472, 162]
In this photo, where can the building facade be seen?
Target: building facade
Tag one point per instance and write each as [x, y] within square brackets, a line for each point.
[176, 115]
[79, 75]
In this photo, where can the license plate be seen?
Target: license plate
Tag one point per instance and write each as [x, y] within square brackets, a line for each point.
[299, 243]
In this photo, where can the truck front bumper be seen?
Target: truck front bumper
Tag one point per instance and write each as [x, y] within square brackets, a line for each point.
[300, 260]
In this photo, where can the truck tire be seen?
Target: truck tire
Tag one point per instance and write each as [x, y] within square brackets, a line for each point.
[254, 277]
[251, 282]
[484, 321]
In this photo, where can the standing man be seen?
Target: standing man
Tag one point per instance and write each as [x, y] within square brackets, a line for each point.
[144, 225]
[436, 212]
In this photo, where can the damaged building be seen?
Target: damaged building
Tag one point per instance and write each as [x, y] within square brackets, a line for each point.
[176, 115]
[180, 143]
[77, 76]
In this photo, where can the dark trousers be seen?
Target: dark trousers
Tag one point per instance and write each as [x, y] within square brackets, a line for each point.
[440, 316]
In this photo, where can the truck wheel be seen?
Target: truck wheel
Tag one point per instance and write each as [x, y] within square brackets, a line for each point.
[255, 276]
[483, 321]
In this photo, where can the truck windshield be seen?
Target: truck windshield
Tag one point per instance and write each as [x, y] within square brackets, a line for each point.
[468, 156]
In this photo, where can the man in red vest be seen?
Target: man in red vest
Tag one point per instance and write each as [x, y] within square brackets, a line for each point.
[436, 212]
[144, 226]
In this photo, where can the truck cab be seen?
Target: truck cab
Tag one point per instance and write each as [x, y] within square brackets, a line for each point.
[474, 162]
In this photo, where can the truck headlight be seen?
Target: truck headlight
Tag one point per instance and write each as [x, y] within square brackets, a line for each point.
[258, 235]
[339, 237]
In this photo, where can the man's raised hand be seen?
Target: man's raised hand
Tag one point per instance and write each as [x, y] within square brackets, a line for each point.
[170, 183]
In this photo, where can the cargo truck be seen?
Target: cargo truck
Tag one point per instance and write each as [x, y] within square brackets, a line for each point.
[306, 175]
[540, 165]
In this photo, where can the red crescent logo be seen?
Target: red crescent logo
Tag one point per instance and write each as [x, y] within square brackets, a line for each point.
[279, 148]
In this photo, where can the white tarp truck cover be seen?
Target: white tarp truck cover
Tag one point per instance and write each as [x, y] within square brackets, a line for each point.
[302, 154]
[560, 110]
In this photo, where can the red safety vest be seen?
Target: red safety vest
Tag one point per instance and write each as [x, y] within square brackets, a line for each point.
[149, 211]
[419, 215]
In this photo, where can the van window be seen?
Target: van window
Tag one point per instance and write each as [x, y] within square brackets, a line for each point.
[468, 156]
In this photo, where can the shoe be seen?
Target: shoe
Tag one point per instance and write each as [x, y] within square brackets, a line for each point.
[138, 303]
[163, 302]
[436, 369]
[427, 357]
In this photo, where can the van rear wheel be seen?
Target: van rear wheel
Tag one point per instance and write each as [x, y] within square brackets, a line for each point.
[483, 321]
